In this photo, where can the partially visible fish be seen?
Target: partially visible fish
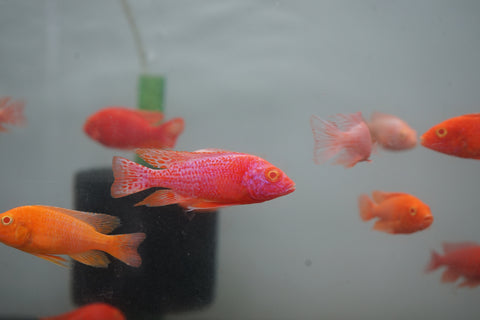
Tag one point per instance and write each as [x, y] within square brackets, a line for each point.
[346, 136]
[123, 128]
[462, 260]
[396, 212]
[11, 112]
[92, 311]
[458, 136]
[203, 180]
[391, 132]
[47, 232]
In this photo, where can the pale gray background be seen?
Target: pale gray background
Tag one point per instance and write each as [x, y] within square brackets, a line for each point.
[246, 76]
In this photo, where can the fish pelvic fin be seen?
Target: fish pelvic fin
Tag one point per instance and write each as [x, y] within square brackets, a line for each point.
[130, 177]
[124, 247]
[62, 262]
[365, 206]
[435, 262]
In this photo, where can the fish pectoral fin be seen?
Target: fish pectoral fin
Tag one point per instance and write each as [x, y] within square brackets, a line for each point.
[94, 258]
[450, 275]
[162, 197]
[53, 258]
[385, 226]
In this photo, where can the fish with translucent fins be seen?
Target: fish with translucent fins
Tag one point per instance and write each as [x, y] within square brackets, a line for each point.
[202, 180]
[391, 132]
[47, 232]
[124, 128]
[396, 212]
[11, 112]
[458, 136]
[345, 137]
[462, 260]
[92, 311]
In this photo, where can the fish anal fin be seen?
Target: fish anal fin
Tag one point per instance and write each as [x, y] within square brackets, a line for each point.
[450, 247]
[162, 197]
[204, 206]
[103, 223]
[450, 275]
[94, 258]
[380, 196]
[62, 262]
[385, 226]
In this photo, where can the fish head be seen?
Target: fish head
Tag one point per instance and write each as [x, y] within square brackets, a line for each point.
[418, 216]
[443, 137]
[406, 138]
[92, 128]
[12, 231]
[265, 181]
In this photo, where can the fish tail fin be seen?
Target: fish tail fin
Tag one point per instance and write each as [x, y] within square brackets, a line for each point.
[365, 205]
[170, 130]
[327, 137]
[435, 262]
[13, 113]
[130, 177]
[125, 248]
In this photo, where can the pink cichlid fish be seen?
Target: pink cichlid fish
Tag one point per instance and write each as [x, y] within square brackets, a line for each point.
[346, 137]
[202, 180]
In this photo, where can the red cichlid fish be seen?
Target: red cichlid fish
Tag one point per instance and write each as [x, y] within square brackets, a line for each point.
[458, 136]
[397, 212]
[92, 311]
[123, 128]
[202, 180]
[49, 231]
[461, 260]
[11, 113]
[347, 136]
[392, 133]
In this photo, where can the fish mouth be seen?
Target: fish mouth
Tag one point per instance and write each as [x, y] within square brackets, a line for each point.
[428, 221]
[290, 189]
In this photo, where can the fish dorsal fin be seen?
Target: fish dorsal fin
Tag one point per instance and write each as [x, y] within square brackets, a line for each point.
[450, 247]
[163, 158]
[103, 223]
[152, 117]
[472, 115]
[380, 196]
[94, 258]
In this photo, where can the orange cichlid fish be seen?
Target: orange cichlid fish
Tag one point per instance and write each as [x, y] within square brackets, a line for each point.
[11, 113]
[396, 212]
[462, 260]
[346, 136]
[202, 180]
[123, 128]
[458, 136]
[46, 232]
[92, 311]
[391, 132]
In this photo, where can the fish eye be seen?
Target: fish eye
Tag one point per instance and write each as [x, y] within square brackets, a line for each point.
[441, 132]
[6, 220]
[272, 175]
[413, 211]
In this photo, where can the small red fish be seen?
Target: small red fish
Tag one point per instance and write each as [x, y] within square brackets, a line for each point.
[92, 311]
[202, 180]
[123, 128]
[396, 212]
[461, 260]
[391, 132]
[47, 232]
[347, 136]
[11, 113]
[458, 136]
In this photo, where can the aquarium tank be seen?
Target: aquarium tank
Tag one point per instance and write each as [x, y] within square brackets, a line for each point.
[239, 159]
